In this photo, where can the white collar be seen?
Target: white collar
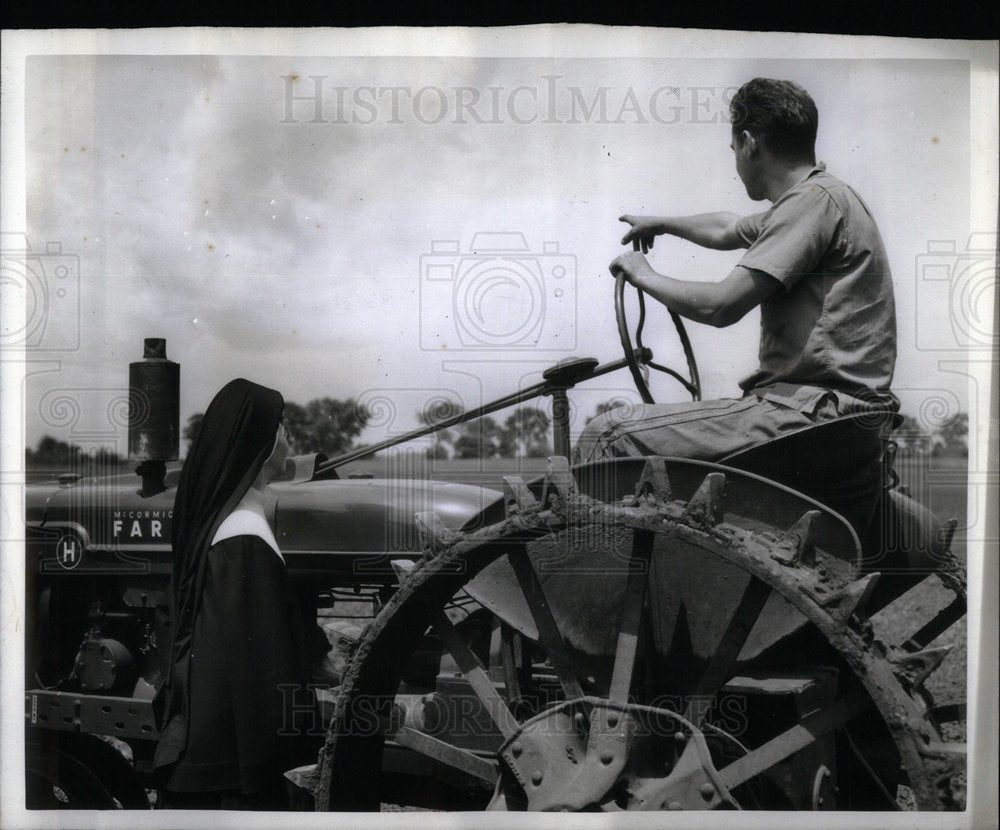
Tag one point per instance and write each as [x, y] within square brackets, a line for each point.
[247, 519]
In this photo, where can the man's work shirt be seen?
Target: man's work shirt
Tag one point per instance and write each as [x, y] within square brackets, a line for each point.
[832, 326]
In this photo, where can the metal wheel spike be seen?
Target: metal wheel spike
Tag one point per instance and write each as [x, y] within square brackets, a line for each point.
[852, 599]
[936, 626]
[800, 541]
[402, 568]
[517, 498]
[915, 667]
[559, 481]
[707, 505]
[654, 480]
[434, 534]
[948, 533]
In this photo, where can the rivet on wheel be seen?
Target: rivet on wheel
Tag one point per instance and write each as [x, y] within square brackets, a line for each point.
[675, 805]
[607, 758]
[680, 737]
[536, 777]
[580, 720]
[707, 791]
[516, 749]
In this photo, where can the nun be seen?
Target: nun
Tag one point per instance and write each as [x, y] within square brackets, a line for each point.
[237, 704]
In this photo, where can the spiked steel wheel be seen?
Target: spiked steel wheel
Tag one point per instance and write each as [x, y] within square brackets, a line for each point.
[705, 645]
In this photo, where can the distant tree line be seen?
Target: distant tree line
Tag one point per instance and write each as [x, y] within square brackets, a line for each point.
[325, 425]
[524, 433]
[330, 426]
[949, 438]
[50, 452]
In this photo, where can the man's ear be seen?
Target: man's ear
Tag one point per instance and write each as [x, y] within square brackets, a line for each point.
[748, 142]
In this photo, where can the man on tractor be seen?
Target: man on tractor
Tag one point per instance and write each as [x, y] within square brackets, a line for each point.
[816, 265]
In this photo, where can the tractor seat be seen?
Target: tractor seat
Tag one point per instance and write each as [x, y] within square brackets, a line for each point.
[840, 463]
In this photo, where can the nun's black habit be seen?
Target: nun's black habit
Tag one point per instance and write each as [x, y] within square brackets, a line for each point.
[237, 689]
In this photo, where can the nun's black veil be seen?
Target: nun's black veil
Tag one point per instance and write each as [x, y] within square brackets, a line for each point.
[236, 437]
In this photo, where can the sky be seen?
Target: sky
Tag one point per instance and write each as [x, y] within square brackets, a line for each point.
[399, 230]
[441, 227]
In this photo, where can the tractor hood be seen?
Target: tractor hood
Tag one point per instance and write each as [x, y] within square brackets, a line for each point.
[376, 515]
[352, 515]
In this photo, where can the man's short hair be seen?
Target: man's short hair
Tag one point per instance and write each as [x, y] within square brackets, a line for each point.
[781, 114]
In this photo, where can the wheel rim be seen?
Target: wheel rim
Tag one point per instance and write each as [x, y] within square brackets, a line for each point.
[56, 780]
[68, 770]
[826, 592]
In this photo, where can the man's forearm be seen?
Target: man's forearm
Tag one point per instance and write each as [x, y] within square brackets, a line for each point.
[710, 230]
[703, 302]
[715, 303]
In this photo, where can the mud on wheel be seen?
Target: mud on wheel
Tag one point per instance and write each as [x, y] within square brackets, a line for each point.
[673, 635]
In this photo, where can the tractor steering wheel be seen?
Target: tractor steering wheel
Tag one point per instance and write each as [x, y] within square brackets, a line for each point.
[639, 353]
